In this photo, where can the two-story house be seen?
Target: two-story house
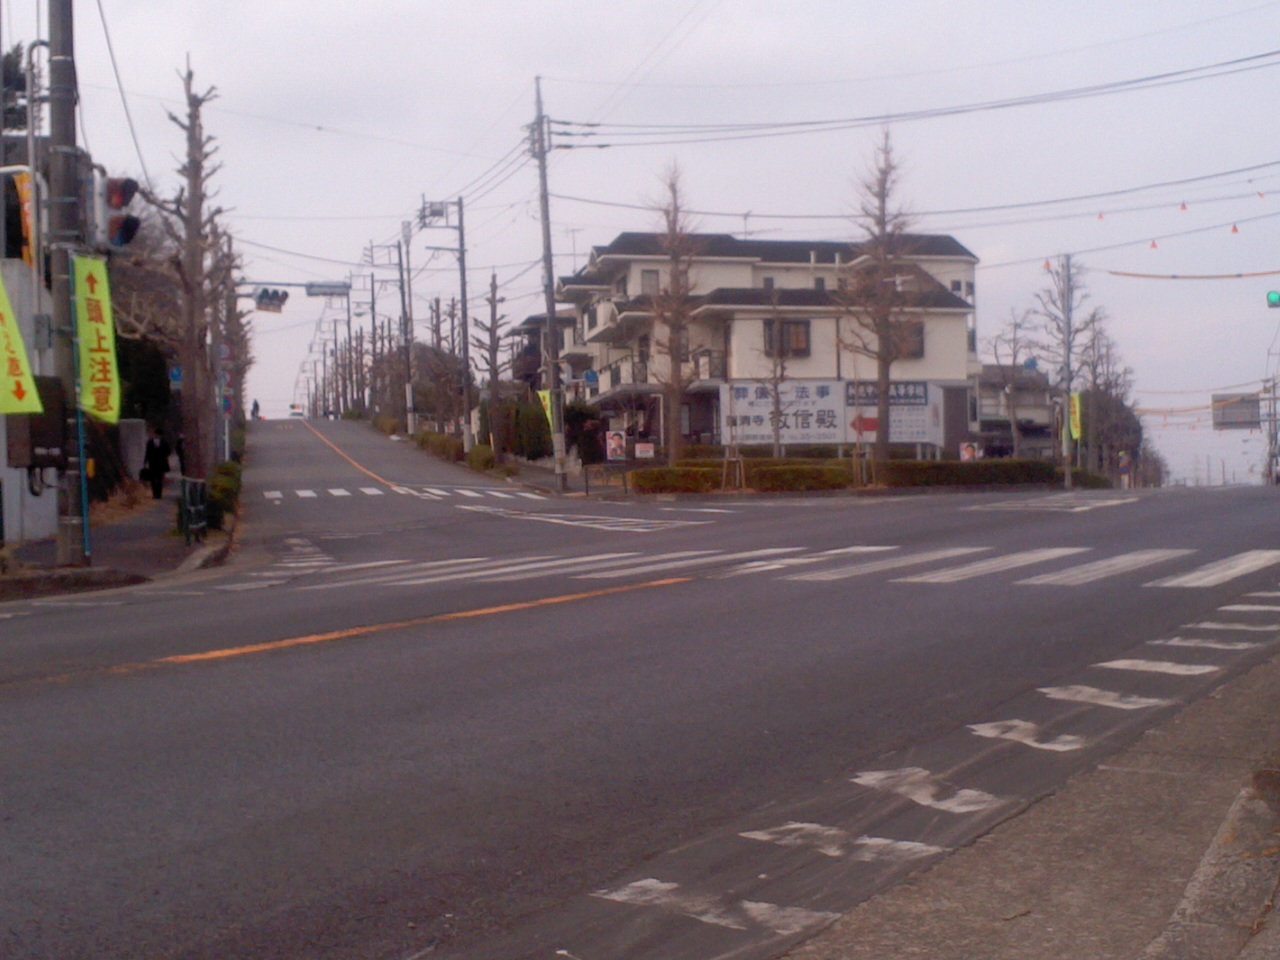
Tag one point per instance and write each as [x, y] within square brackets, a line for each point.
[773, 337]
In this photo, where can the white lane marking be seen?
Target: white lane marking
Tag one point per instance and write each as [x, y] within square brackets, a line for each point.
[373, 491]
[77, 604]
[1102, 698]
[27, 613]
[893, 563]
[306, 494]
[1021, 731]
[1160, 666]
[1101, 569]
[339, 492]
[468, 493]
[1250, 608]
[692, 562]
[529, 496]
[402, 490]
[531, 571]
[473, 572]
[437, 491]
[1264, 593]
[273, 494]
[1222, 571]
[763, 566]
[920, 786]
[695, 510]
[1206, 644]
[780, 920]
[500, 494]
[370, 580]
[835, 842]
[981, 568]
[1243, 627]
[254, 585]
[368, 565]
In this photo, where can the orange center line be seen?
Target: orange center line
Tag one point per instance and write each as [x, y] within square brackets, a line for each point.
[365, 470]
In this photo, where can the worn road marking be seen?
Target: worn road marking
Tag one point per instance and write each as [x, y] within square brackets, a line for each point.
[892, 563]
[1222, 571]
[1250, 608]
[1103, 698]
[981, 568]
[1207, 644]
[691, 562]
[273, 494]
[920, 786]
[1159, 666]
[835, 842]
[306, 494]
[1021, 731]
[782, 921]
[764, 566]
[1245, 627]
[1101, 569]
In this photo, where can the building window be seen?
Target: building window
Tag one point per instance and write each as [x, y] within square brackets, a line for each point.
[593, 316]
[819, 283]
[768, 283]
[956, 287]
[968, 289]
[911, 340]
[786, 338]
[648, 283]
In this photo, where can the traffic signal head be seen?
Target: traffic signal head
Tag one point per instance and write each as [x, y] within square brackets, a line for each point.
[270, 301]
[1273, 298]
[115, 226]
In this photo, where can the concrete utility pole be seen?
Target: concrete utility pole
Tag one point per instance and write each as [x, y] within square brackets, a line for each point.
[1068, 295]
[551, 333]
[468, 440]
[64, 232]
[406, 292]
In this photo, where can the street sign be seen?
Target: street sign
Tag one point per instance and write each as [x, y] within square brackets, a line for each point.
[591, 378]
[338, 289]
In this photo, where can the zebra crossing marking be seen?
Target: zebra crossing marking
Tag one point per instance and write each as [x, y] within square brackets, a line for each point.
[1101, 569]
[893, 563]
[1028, 734]
[688, 562]
[836, 842]
[422, 493]
[1160, 666]
[922, 787]
[1206, 644]
[981, 568]
[1222, 571]
[1078, 693]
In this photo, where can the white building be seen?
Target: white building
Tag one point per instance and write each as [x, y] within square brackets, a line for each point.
[769, 334]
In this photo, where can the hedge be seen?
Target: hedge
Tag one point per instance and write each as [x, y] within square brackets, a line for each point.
[481, 458]
[443, 445]
[675, 479]
[934, 473]
[777, 479]
[223, 493]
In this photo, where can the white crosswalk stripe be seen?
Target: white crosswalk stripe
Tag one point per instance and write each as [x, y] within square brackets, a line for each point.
[982, 568]
[1102, 569]
[892, 563]
[685, 563]
[423, 493]
[1222, 571]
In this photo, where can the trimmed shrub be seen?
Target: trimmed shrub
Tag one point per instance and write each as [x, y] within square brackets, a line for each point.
[223, 493]
[675, 479]
[443, 445]
[386, 424]
[975, 473]
[481, 458]
[795, 477]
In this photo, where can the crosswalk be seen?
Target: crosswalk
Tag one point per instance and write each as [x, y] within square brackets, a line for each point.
[421, 492]
[938, 567]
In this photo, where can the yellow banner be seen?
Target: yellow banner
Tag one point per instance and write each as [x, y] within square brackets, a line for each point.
[96, 330]
[1075, 416]
[17, 386]
[27, 203]
[545, 397]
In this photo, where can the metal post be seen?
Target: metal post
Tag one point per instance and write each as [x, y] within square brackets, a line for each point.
[1067, 294]
[468, 441]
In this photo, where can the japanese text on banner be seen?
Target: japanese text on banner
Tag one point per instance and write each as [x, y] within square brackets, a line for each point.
[17, 386]
[95, 325]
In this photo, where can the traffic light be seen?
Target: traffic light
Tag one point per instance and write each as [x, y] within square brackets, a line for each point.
[118, 228]
[270, 301]
[1273, 298]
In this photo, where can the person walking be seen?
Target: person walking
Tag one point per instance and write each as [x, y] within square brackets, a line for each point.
[155, 464]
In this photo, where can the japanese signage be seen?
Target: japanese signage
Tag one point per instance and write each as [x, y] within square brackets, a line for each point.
[915, 412]
[96, 331]
[1075, 416]
[17, 387]
[805, 411]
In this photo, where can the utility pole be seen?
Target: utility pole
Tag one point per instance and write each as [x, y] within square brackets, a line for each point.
[406, 298]
[551, 333]
[64, 231]
[1068, 295]
[433, 211]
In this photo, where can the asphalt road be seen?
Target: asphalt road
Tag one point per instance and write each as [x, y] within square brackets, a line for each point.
[428, 713]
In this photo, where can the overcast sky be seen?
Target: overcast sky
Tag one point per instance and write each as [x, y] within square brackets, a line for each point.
[334, 120]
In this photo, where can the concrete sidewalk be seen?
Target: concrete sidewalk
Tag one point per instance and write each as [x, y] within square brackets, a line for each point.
[128, 547]
[1168, 850]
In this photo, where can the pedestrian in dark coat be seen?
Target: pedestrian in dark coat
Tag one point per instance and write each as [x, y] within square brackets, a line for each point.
[155, 464]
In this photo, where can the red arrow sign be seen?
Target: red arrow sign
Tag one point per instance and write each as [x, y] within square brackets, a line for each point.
[92, 283]
[19, 392]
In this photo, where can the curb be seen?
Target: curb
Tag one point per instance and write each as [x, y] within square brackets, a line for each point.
[1225, 907]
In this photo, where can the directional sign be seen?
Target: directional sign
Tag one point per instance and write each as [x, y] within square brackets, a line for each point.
[96, 332]
[338, 289]
[17, 387]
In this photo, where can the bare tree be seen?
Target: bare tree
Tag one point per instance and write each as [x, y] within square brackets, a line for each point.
[1010, 348]
[1065, 330]
[190, 228]
[777, 351]
[489, 346]
[672, 307]
[880, 291]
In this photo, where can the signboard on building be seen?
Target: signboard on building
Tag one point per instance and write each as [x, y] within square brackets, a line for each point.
[806, 411]
[1237, 411]
[915, 412]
